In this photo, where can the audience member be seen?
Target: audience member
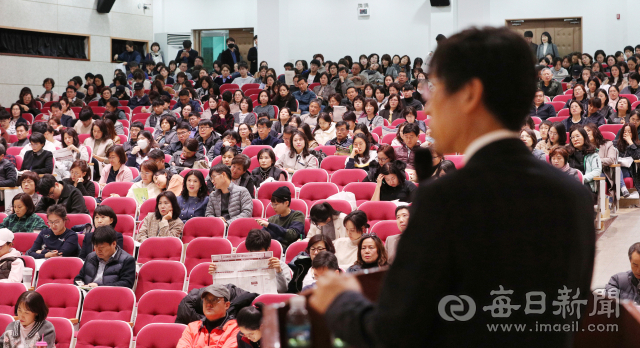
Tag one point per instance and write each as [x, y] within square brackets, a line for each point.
[148, 169]
[194, 199]
[57, 193]
[361, 155]
[85, 122]
[298, 156]
[624, 285]
[167, 180]
[80, 178]
[206, 136]
[548, 85]
[283, 148]
[267, 168]
[402, 219]
[440, 165]
[264, 136]
[31, 326]
[302, 263]
[22, 218]
[72, 142]
[166, 135]
[284, 116]
[355, 225]
[229, 201]
[559, 158]
[392, 184]
[583, 156]
[57, 240]
[607, 152]
[371, 253]
[530, 140]
[102, 216]
[38, 160]
[628, 145]
[304, 96]
[99, 142]
[250, 324]
[7, 170]
[115, 171]
[342, 142]
[539, 108]
[165, 222]
[324, 263]
[325, 129]
[11, 263]
[287, 225]
[188, 156]
[240, 175]
[406, 153]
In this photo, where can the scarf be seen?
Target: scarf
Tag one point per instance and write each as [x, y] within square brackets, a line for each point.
[329, 230]
[565, 168]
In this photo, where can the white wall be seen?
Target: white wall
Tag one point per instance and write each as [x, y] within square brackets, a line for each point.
[68, 16]
[176, 16]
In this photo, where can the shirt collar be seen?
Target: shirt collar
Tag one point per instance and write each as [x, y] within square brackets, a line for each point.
[485, 140]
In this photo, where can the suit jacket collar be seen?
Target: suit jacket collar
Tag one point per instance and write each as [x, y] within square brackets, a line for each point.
[485, 140]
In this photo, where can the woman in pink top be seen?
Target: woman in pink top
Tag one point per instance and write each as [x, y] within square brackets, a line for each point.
[115, 171]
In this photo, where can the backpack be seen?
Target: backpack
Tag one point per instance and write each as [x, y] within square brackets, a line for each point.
[319, 155]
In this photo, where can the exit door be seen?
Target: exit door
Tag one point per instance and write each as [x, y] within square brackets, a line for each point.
[566, 33]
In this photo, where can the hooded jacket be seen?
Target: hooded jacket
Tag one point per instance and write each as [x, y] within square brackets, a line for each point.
[11, 266]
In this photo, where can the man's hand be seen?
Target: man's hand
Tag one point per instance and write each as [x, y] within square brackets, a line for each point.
[53, 253]
[212, 268]
[92, 285]
[262, 223]
[275, 264]
[328, 287]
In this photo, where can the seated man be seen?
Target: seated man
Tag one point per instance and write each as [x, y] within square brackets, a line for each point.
[287, 225]
[283, 148]
[187, 156]
[244, 77]
[157, 112]
[108, 264]
[406, 153]
[264, 136]
[136, 128]
[311, 118]
[206, 136]
[54, 192]
[229, 201]
[539, 108]
[112, 106]
[325, 262]
[240, 174]
[402, 219]
[157, 156]
[194, 121]
[274, 133]
[8, 174]
[357, 76]
[626, 283]
[184, 100]
[22, 133]
[72, 95]
[407, 92]
[633, 87]
[351, 94]
[342, 142]
[56, 111]
[190, 308]
[549, 86]
[183, 130]
[259, 241]
[342, 83]
[304, 96]
[217, 329]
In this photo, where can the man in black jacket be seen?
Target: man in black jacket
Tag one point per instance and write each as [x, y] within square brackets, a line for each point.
[252, 56]
[108, 265]
[231, 56]
[190, 308]
[187, 55]
[528, 37]
[626, 283]
[8, 174]
[482, 258]
[54, 192]
[539, 108]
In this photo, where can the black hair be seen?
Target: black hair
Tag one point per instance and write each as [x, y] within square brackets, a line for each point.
[27, 201]
[37, 138]
[250, 317]
[397, 168]
[220, 169]
[411, 128]
[183, 125]
[202, 191]
[258, 239]
[325, 259]
[34, 303]
[321, 212]
[176, 210]
[57, 209]
[105, 210]
[233, 134]
[264, 122]
[47, 181]
[452, 64]
[359, 219]
[104, 234]
[320, 238]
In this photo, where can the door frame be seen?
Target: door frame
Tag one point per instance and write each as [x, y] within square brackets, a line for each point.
[507, 23]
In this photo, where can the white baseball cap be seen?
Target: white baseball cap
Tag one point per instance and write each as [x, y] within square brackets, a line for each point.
[6, 236]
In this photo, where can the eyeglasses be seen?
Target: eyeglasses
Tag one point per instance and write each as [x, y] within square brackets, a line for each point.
[317, 250]
[183, 133]
[52, 192]
[213, 301]
[55, 223]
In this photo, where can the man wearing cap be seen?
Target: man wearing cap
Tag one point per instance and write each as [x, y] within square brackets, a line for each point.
[217, 329]
[139, 97]
[312, 75]
[287, 225]
[528, 36]
[11, 263]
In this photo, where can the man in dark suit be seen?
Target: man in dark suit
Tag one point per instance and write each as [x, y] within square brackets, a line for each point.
[230, 56]
[252, 56]
[484, 235]
[187, 54]
[528, 36]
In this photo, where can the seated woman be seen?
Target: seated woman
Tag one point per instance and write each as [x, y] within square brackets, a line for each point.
[31, 326]
[249, 321]
[102, 216]
[38, 160]
[606, 151]
[371, 254]
[606, 111]
[165, 222]
[115, 171]
[361, 128]
[245, 115]
[623, 111]
[23, 218]
[228, 153]
[48, 94]
[267, 168]
[166, 135]
[356, 225]
[394, 108]
[411, 116]
[384, 154]
[105, 95]
[194, 198]
[325, 130]
[529, 139]
[544, 143]
[229, 138]
[71, 142]
[145, 143]
[361, 155]
[167, 181]
[147, 169]
[223, 120]
[298, 156]
[99, 142]
[80, 178]
[576, 111]
[441, 166]
[28, 182]
[246, 136]
[594, 114]
[10, 259]
[559, 157]
[118, 127]
[283, 120]
[392, 184]
[583, 156]
[327, 221]
[301, 264]
[629, 146]
[370, 117]
[56, 240]
[306, 130]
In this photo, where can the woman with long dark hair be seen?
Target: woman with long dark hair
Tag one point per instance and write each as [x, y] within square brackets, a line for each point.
[392, 184]
[628, 145]
[371, 253]
[165, 222]
[27, 102]
[194, 199]
[584, 156]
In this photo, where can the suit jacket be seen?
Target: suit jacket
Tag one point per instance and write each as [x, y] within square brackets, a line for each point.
[226, 58]
[252, 57]
[534, 48]
[498, 239]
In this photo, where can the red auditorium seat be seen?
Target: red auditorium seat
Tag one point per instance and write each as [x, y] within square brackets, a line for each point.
[343, 177]
[201, 249]
[557, 118]
[294, 249]
[202, 227]
[314, 191]
[126, 224]
[92, 334]
[564, 112]
[199, 276]
[304, 176]
[128, 245]
[458, 160]
[252, 150]
[266, 190]
[159, 335]
[64, 331]
[60, 270]
[24, 241]
[91, 204]
[613, 128]
[258, 209]
[296, 204]
[327, 149]
[107, 303]
[121, 205]
[10, 294]
[160, 248]
[385, 229]
[121, 188]
[157, 275]
[63, 300]
[78, 219]
[378, 210]
[362, 190]
[149, 206]
[333, 163]
[239, 229]
[276, 247]
[557, 105]
[269, 299]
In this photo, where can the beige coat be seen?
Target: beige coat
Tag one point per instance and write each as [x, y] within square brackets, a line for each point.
[338, 226]
[152, 227]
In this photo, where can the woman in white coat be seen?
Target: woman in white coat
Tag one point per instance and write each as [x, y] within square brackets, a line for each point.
[326, 220]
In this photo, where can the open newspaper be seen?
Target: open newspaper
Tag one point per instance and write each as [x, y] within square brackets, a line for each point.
[248, 271]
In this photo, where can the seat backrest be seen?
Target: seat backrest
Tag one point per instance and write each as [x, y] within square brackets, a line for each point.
[557, 105]
[148, 206]
[258, 209]
[199, 276]
[333, 163]
[10, 294]
[91, 204]
[608, 135]
[159, 335]
[613, 128]
[294, 249]
[92, 335]
[201, 249]
[343, 177]
[267, 188]
[388, 138]
[269, 299]
[252, 150]
[63, 300]
[160, 248]
[121, 188]
[121, 205]
[128, 245]
[126, 224]
[24, 241]
[385, 229]
[314, 191]
[64, 331]
[108, 303]
[458, 160]
[5, 320]
[276, 247]
[202, 227]
[328, 149]
[362, 190]
[303, 176]
[78, 219]
[160, 275]
[337, 204]
[60, 270]
[379, 210]
[239, 229]
[31, 263]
